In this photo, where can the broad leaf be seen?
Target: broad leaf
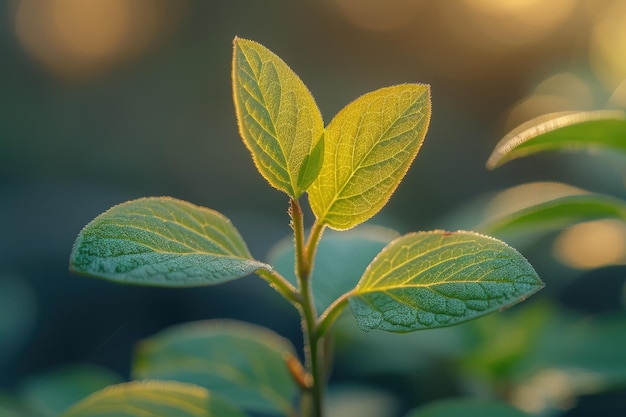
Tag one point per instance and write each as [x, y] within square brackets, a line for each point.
[541, 207]
[278, 118]
[332, 275]
[467, 408]
[162, 241]
[434, 279]
[153, 398]
[51, 393]
[562, 131]
[368, 148]
[243, 362]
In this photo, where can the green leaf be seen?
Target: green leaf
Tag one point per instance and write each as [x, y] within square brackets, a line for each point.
[562, 131]
[278, 118]
[11, 407]
[585, 354]
[368, 148]
[467, 408]
[153, 398]
[243, 362]
[434, 279]
[51, 393]
[542, 207]
[332, 276]
[162, 241]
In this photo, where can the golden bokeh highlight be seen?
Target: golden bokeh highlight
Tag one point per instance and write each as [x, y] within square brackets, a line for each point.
[76, 39]
[516, 22]
[376, 15]
[592, 244]
[607, 49]
[559, 92]
[553, 389]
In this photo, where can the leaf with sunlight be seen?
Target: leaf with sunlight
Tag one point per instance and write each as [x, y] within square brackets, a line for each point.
[466, 407]
[434, 279]
[278, 118]
[542, 207]
[562, 131]
[368, 148]
[244, 363]
[162, 241]
[332, 276]
[153, 398]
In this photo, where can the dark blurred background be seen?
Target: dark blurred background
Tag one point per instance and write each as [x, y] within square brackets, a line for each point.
[102, 101]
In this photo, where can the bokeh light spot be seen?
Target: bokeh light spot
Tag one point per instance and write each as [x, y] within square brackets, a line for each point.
[376, 15]
[607, 51]
[76, 39]
[592, 244]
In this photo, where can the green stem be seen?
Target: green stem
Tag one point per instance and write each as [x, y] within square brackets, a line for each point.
[329, 316]
[280, 284]
[311, 246]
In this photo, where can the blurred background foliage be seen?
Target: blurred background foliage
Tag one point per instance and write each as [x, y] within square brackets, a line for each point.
[102, 101]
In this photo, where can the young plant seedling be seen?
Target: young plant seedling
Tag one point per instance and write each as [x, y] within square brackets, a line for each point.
[348, 170]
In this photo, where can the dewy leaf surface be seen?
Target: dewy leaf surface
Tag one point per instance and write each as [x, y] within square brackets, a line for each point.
[435, 279]
[153, 398]
[368, 148]
[278, 118]
[162, 241]
[244, 363]
[562, 131]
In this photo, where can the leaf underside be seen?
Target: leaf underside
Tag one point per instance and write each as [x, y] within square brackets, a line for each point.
[435, 279]
[368, 148]
[278, 118]
[244, 363]
[162, 241]
[562, 131]
[152, 398]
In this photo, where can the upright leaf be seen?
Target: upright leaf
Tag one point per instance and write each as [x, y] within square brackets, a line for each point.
[278, 118]
[562, 131]
[162, 241]
[152, 398]
[240, 361]
[434, 279]
[368, 148]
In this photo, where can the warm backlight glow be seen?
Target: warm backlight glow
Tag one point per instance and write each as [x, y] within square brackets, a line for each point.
[78, 38]
[378, 15]
[560, 92]
[608, 44]
[519, 21]
[592, 244]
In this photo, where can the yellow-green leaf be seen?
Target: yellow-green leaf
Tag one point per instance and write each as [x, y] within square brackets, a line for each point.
[162, 241]
[368, 148]
[435, 279]
[562, 131]
[278, 118]
[153, 398]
